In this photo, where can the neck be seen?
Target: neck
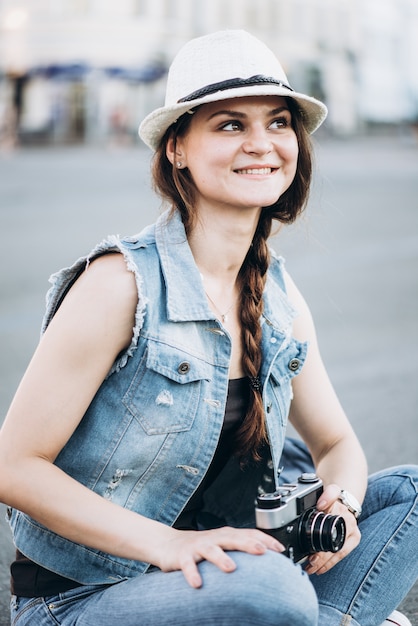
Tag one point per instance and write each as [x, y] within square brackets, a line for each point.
[219, 246]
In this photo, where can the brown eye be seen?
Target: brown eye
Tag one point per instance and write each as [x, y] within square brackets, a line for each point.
[281, 122]
[231, 126]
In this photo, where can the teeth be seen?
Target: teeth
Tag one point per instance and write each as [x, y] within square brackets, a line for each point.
[260, 171]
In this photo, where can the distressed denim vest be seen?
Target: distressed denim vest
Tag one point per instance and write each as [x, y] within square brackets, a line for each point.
[151, 431]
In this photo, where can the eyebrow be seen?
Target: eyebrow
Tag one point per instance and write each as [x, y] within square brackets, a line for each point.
[240, 114]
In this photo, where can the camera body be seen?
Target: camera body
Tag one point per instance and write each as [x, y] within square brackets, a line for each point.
[289, 514]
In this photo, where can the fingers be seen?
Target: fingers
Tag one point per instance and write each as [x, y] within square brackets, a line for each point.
[322, 562]
[191, 574]
[209, 552]
[328, 497]
[247, 540]
[211, 546]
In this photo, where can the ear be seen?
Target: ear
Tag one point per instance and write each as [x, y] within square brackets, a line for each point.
[173, 151]
[170, 150]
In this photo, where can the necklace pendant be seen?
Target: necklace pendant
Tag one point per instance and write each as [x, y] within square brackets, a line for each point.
[224, 318]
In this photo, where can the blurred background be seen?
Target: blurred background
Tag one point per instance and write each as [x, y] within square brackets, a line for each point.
[76, 78]
[89, 70]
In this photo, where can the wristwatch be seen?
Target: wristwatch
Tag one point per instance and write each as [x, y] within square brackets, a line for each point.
[352, 504]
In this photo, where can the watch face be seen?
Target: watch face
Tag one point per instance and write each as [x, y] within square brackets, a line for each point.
[351, 503]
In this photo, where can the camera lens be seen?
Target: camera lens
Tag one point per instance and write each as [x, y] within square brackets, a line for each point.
[319, 532]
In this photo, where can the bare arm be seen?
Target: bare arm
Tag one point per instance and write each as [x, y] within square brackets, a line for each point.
[92, 326]
[318, 416]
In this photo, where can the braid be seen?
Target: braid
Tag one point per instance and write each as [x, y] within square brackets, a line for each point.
[252, 278]
[178, 188]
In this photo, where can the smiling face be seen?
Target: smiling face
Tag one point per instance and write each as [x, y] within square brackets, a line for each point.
[241, 153]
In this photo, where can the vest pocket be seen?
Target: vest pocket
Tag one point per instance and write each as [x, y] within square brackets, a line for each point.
[165, 392]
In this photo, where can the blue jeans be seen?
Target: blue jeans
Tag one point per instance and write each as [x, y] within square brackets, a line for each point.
[266, 590]
[269, 589]
[372, 581]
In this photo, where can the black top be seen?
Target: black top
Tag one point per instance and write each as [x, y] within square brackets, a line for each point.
[28, 579]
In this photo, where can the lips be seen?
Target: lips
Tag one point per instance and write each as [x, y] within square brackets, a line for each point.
[256, 171]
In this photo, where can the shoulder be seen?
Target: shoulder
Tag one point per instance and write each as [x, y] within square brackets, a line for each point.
[303, 326]
[110, 273]
[100, 305]
[276, 268]
[107, 286]
[282, 277]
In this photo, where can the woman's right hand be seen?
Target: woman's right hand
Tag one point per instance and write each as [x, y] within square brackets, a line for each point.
[187, 548]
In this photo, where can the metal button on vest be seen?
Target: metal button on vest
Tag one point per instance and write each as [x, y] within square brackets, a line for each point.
[294, 365]
[183, 368]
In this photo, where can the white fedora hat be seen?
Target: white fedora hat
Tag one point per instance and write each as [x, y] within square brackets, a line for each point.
[222, 65]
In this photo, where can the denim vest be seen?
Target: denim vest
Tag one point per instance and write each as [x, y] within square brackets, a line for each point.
[151, 431]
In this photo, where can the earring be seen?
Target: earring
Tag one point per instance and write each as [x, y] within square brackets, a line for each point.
[179, 164]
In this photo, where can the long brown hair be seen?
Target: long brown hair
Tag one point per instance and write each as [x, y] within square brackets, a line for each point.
[176, 187]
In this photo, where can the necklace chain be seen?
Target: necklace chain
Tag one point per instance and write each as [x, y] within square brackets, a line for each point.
[224, 316]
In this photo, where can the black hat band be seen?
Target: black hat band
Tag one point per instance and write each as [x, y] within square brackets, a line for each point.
[233, 83]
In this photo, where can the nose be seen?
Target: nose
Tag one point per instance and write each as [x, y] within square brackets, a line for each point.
[257, 141]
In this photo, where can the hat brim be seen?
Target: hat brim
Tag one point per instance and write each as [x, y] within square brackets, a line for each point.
[154, 126]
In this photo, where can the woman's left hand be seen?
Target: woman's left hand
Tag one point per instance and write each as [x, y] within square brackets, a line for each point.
[322, 562]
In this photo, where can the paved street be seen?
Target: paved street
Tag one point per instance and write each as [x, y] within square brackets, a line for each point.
[354, 254]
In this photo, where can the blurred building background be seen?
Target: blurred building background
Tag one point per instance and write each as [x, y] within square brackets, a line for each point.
[89, 70]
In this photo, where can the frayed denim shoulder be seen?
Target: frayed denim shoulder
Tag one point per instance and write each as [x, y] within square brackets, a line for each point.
[277, 264]
[62, 281]
[280, 301]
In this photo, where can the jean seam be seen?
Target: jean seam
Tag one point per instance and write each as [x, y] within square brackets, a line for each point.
[28, 607]
[61, 600]
[404, 522]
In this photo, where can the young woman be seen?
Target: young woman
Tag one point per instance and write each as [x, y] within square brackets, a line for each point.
[156, 403]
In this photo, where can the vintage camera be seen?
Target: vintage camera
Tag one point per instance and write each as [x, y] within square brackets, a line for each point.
[289, 514]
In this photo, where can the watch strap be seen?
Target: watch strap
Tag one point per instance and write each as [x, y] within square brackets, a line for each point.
[351, 502]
